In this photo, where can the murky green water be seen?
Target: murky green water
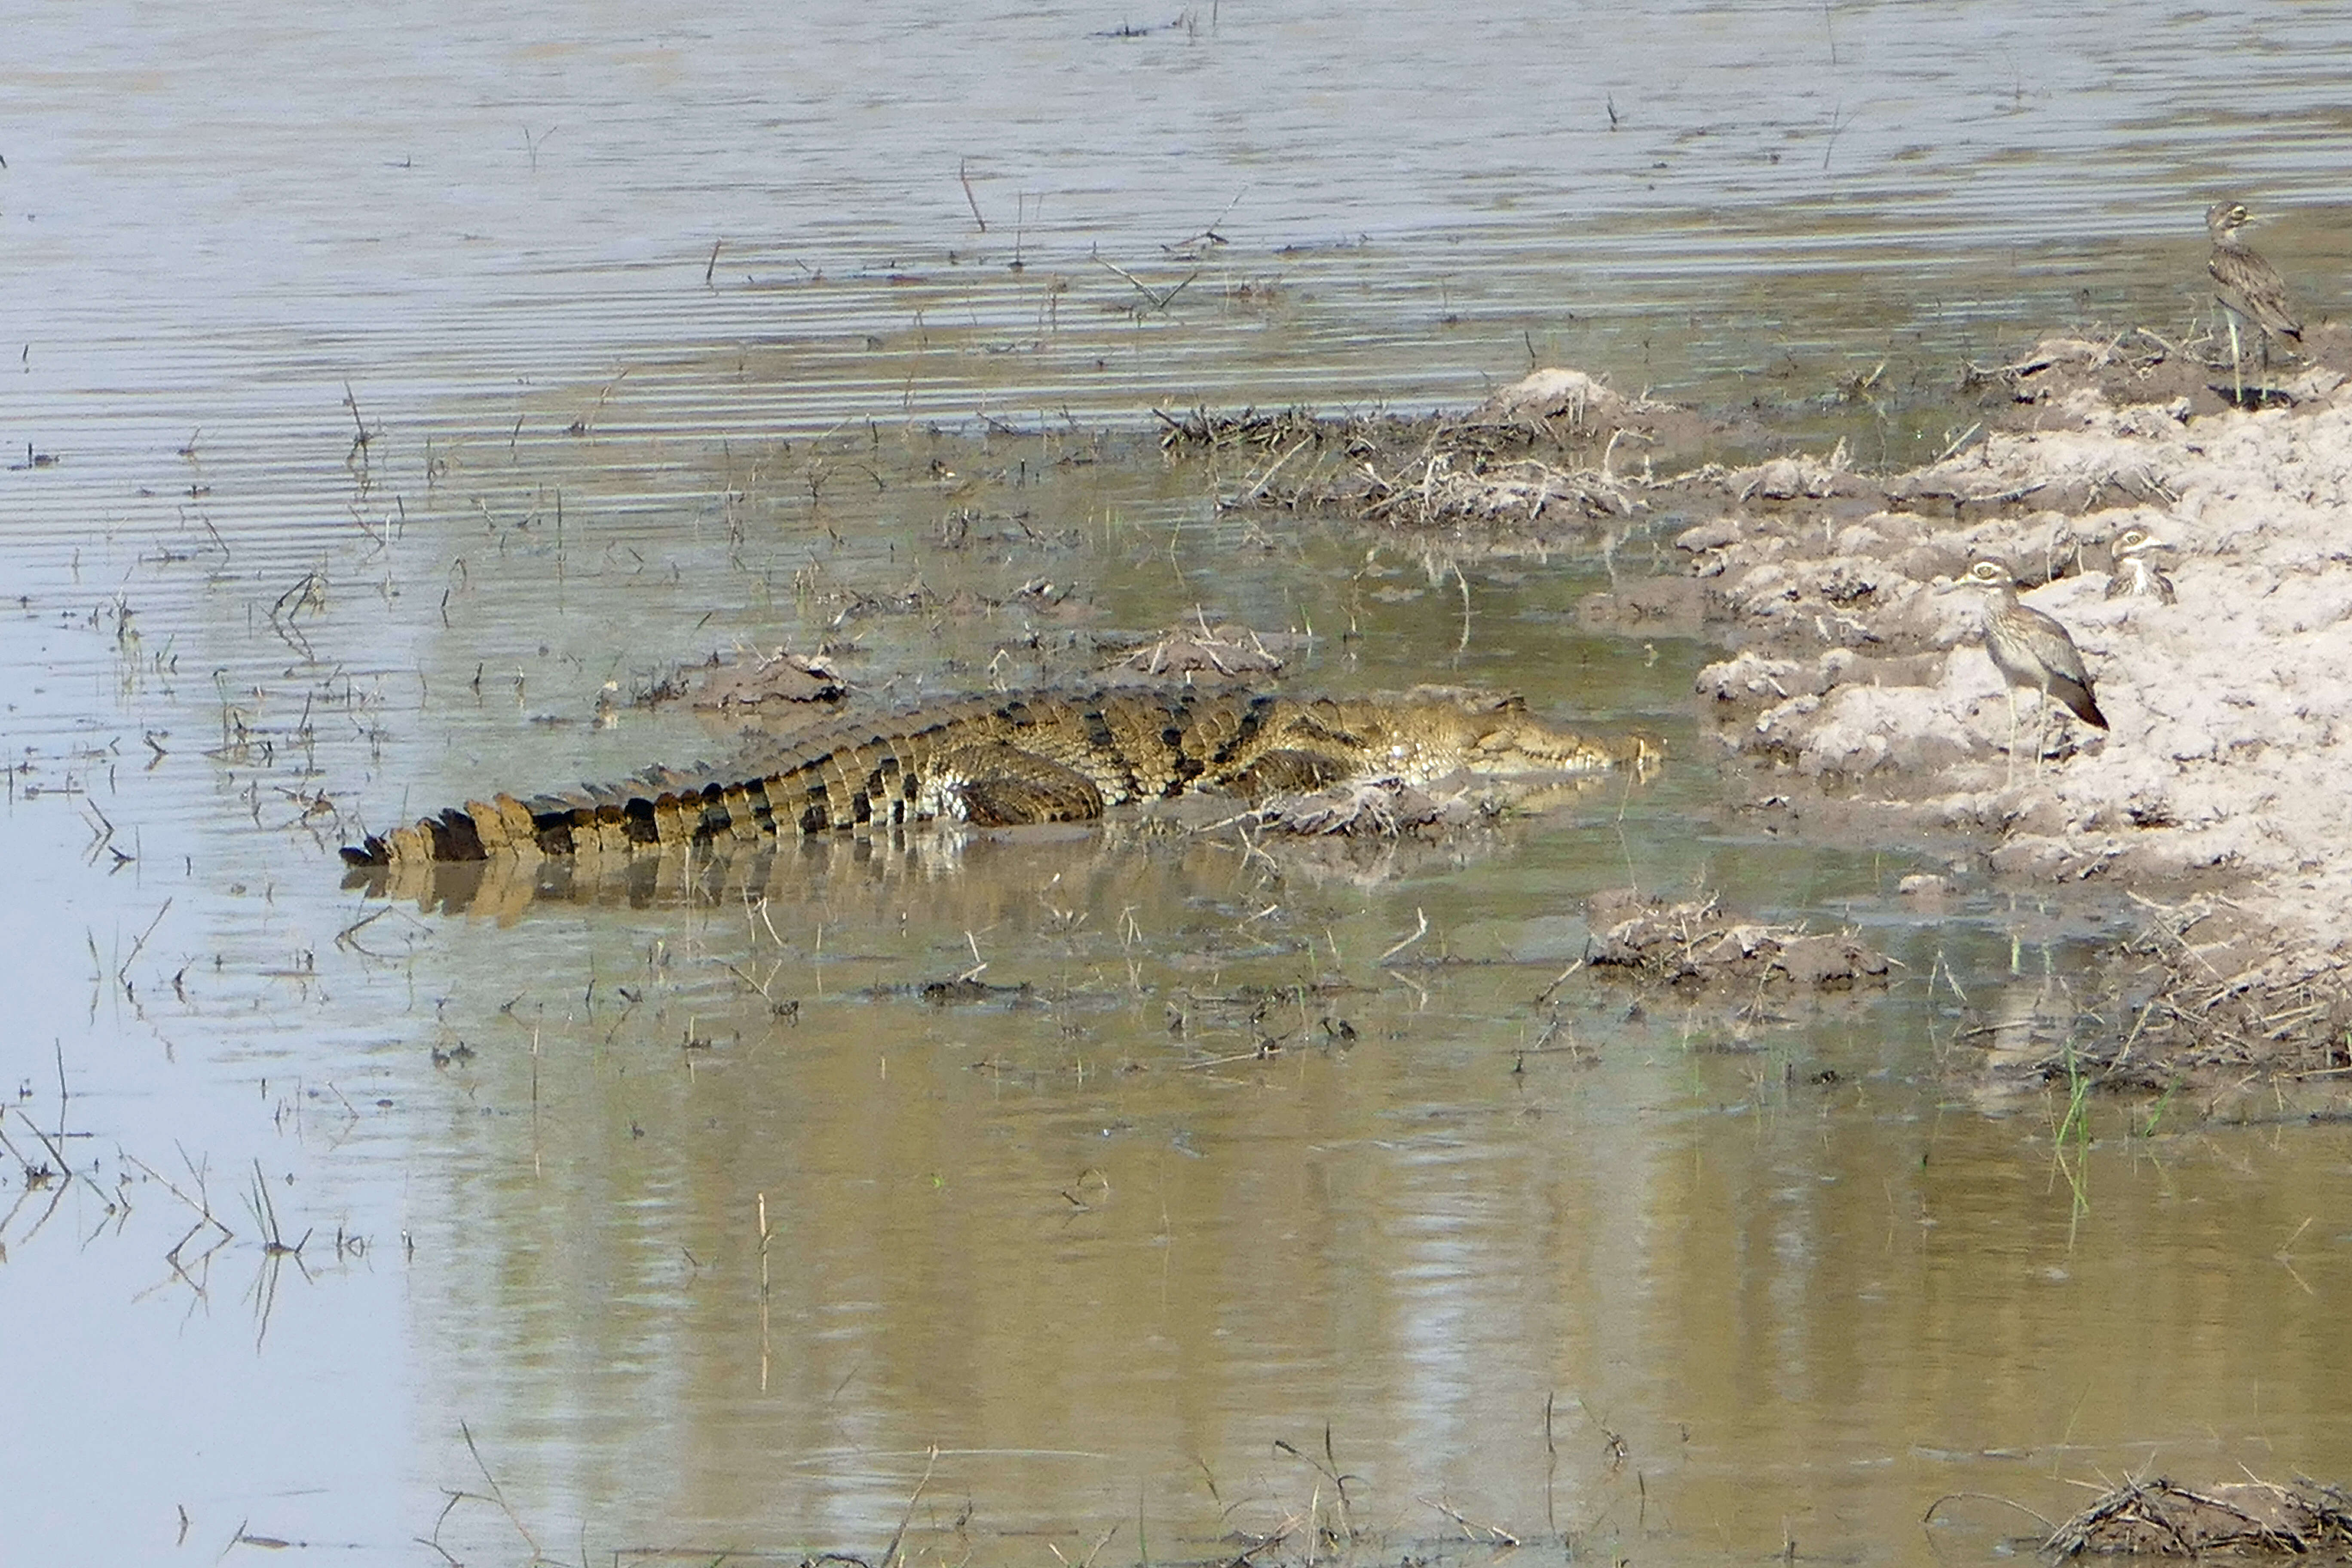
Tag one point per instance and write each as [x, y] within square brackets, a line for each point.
[652, 330]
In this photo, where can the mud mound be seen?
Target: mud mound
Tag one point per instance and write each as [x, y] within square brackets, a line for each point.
[774, 680]
[1556, 451]
[1694, 943]
[1221, 652]
[2253, 1518]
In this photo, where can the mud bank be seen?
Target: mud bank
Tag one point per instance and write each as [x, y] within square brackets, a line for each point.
[1860, 689]
[1856, 695]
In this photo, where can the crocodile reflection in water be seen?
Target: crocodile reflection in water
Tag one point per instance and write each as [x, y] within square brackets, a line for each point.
[1010, 759]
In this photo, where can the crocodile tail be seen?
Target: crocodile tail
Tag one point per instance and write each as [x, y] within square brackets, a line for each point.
[479, 831]
[661, 808]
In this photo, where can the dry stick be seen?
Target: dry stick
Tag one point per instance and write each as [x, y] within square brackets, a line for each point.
[1551, 1460]
[747, 980]
[711, 267]
[498, 1494]
[65, 1171]
[1958, 442]
[1210, 233]
[439, 1520]
[352, 402]
[1095, 1550]
[890, 1552]
[1259, 1055]
[1543, 998]
[1258, 489]
[764, 1237]
[201, 1205]
[1422, 930]
[345, 938]
[1159, 300]
[586, 423]
[1492, 1533]
[972, 200]
[125, 969]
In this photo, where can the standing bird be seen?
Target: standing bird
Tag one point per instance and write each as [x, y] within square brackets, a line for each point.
[2249, 287]
[2135, 572]
[2031, 651]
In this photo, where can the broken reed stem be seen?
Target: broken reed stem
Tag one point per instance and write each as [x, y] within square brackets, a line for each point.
[121, 972]
[765, 1235]
[1421, 931]
[973, 202]
[890, 1552]
[497, 1493]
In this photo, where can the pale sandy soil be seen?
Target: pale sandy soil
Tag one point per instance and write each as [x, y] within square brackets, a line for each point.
[2222, 789]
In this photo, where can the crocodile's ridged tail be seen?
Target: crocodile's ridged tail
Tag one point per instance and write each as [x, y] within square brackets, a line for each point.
[650, 813]
[992, 762]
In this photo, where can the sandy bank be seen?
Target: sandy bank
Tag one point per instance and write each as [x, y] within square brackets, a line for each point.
[2222, 789]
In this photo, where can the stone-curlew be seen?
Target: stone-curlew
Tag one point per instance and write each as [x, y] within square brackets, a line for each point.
[2031, 651]
[2135, 569]
[2246, 286]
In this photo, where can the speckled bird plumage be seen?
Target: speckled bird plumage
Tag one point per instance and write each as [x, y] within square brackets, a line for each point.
[2032, 650]
[2136, 572]
[2248, 284]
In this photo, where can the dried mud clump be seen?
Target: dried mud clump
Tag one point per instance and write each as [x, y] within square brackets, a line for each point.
[1183, 654]
[2142, 366]
[1693, 944]
[749, 682]
[1557, 450]
[1378, 808]
[2238, 1520]
[1451, 488]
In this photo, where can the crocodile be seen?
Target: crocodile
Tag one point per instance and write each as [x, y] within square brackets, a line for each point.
[1010, 759]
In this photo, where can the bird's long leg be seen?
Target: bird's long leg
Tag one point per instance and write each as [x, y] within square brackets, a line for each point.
[2236, 378]
[2009, 776]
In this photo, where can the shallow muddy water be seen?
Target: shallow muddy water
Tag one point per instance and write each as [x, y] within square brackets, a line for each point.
[655, 1220]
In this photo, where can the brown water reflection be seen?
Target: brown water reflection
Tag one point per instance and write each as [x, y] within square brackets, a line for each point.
[645, 327]
[1099, 1261]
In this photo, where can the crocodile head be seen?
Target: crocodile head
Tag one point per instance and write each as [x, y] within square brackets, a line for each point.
[1426, 740]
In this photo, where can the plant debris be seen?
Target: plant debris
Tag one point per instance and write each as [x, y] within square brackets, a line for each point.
[2159, 1518]
[1225, 652]
[777, 678]
[1693, 942]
